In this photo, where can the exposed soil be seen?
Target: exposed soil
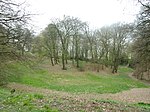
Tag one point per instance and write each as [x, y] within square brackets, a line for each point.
[131, 96]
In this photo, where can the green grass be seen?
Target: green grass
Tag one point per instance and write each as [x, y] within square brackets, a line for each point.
[68, 81]
[33, 102]
[22, 102]
[74, 82]
[143, 105]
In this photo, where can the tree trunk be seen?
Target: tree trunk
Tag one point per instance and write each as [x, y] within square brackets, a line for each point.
[55, 53]
[63, 58]
[77, 56]
[63, 61]
[52, 61]
[86, 55]
[115, 69]
[22, 50]
[51, 58]
[115, 66]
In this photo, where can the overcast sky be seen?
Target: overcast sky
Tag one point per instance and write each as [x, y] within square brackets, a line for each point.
[96, 12]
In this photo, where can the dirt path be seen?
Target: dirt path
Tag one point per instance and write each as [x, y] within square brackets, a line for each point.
[131, 96]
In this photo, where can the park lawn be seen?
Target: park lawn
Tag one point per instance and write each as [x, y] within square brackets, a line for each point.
[74, 81]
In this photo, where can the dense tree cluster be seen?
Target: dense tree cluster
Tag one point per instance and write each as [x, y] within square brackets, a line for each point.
[70, 38]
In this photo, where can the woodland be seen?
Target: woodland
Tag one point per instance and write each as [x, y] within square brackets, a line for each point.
[72, 63]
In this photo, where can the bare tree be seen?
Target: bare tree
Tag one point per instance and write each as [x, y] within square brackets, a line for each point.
[77, 31]
[119, 40]
[51, 43]
[12, 15]
[64, 30]
[104, 37]
[141, 45]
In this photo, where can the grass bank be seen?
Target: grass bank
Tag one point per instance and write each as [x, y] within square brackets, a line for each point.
[73, 81]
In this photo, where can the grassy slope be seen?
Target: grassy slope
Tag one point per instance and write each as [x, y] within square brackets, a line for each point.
[75, 82]
[70, 81]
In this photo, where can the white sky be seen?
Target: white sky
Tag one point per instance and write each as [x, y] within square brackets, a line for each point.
[96, 12]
